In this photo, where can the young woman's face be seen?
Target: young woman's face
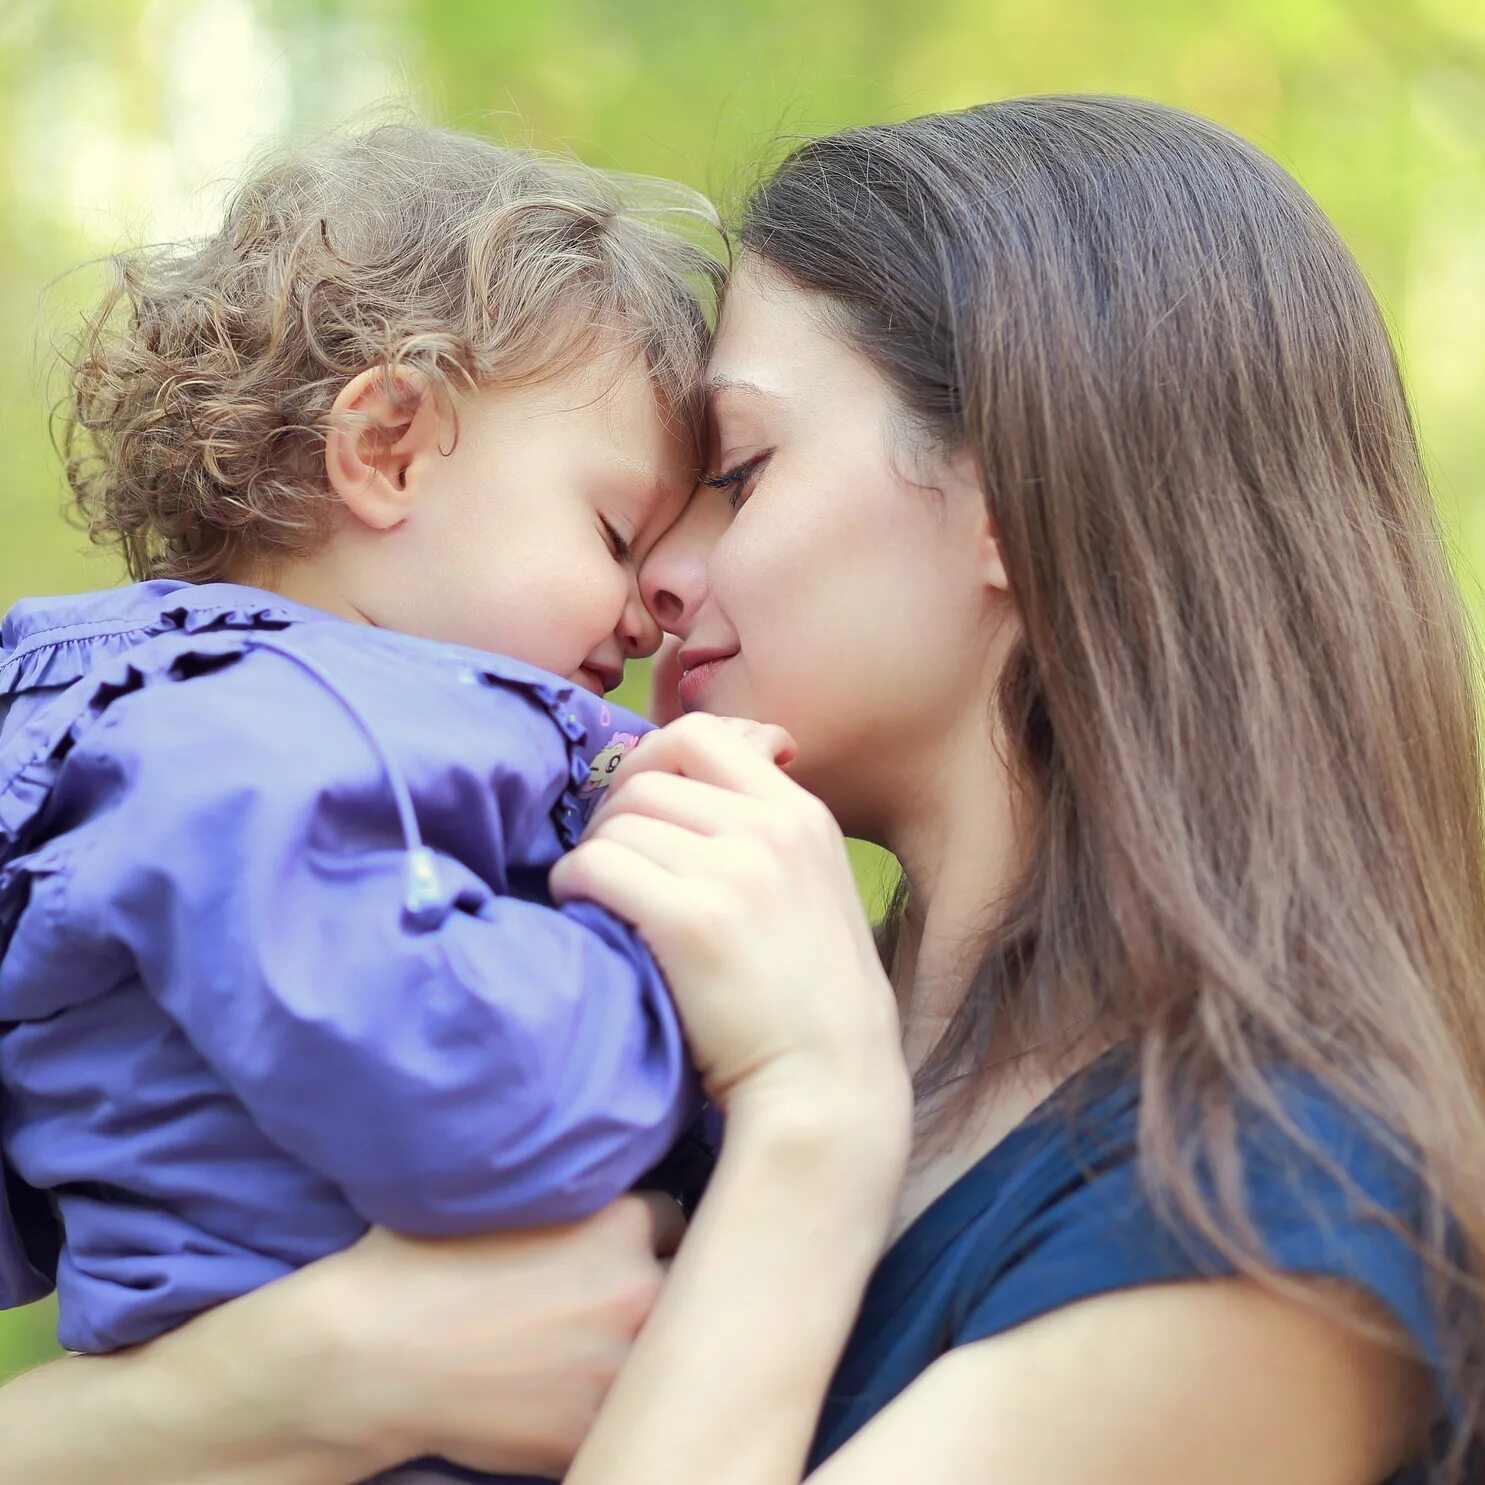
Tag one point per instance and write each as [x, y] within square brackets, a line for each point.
[840, 584]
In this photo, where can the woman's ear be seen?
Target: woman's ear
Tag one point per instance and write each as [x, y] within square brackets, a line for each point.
[961, 479]
[992, 563]
[382, 425]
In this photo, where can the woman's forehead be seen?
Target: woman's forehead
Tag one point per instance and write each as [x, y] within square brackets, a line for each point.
[767, 322]
[768, 376]
[778, 340]
[723, 388]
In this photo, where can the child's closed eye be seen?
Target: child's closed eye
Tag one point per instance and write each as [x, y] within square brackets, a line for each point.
[617, 545]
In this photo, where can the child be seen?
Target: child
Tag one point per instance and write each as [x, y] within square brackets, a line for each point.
[275, 822]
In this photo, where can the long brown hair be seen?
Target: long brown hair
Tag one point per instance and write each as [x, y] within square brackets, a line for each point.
[1245, 696]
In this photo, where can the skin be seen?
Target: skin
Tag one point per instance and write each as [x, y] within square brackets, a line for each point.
[699, 841]
[514, 521]
[856, 594]
[866, 598]
[273, 1389]
[855, 579]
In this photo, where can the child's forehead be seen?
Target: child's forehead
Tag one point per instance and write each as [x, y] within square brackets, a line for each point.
[643, 438]
[609, 422]
[649, 477]
[616, 390]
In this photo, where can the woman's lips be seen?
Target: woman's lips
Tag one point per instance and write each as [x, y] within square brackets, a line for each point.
[698, 670]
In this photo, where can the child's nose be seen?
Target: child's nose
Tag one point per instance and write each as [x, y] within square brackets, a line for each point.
[638, 630]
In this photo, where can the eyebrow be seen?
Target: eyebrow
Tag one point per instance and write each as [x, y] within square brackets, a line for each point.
[724, 383]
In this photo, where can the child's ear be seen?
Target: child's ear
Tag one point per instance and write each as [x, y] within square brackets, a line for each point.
[383, 423]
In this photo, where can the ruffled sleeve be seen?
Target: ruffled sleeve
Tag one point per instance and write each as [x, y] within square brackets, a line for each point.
[468, 1060]
[52, 658]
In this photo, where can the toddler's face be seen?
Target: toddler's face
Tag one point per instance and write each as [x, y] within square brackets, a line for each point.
[525, 536]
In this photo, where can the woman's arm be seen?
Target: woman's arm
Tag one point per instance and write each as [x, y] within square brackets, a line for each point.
[249, 1394]
[496, 1351]
[727, 1379]
[1210, 1383]
[739, 887]
[740, 882]
[1213, 1382]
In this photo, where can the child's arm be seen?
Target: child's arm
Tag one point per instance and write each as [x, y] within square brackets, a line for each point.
[475, 1061]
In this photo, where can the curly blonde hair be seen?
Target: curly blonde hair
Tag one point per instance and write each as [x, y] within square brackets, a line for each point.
[201, 386]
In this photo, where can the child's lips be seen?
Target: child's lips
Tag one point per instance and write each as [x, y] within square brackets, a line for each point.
[598, 679]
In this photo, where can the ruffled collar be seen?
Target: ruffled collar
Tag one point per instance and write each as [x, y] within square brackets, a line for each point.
[52, 642]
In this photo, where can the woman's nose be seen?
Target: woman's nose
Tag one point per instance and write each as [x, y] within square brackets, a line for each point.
[667, 606]
[672, 580]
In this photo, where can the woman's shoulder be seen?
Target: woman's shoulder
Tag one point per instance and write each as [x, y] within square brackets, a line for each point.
[1067, 1208]
[1313, 1186]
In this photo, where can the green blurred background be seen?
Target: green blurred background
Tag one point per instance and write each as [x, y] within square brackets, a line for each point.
[124, 120]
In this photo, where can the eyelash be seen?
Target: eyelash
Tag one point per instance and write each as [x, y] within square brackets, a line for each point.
[620, 546]
[734, 479]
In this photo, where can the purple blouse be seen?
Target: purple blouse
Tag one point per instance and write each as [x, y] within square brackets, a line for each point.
[276, 955]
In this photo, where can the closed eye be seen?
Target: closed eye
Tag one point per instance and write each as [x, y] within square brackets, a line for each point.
[735, 480]
[617, 544]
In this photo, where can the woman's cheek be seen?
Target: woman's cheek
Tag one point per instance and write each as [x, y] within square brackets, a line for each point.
[757, 563]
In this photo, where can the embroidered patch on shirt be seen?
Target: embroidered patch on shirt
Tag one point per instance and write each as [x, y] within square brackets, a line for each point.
[606, 760]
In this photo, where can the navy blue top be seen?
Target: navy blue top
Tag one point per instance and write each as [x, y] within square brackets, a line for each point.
[1056, 1213]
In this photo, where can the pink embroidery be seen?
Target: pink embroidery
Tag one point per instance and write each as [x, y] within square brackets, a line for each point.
[606, 760]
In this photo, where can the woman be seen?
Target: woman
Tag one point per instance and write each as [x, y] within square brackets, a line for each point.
[1068, 516]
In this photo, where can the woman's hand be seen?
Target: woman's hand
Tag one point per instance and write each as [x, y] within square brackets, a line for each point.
[493, 1351]
[739, 881]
